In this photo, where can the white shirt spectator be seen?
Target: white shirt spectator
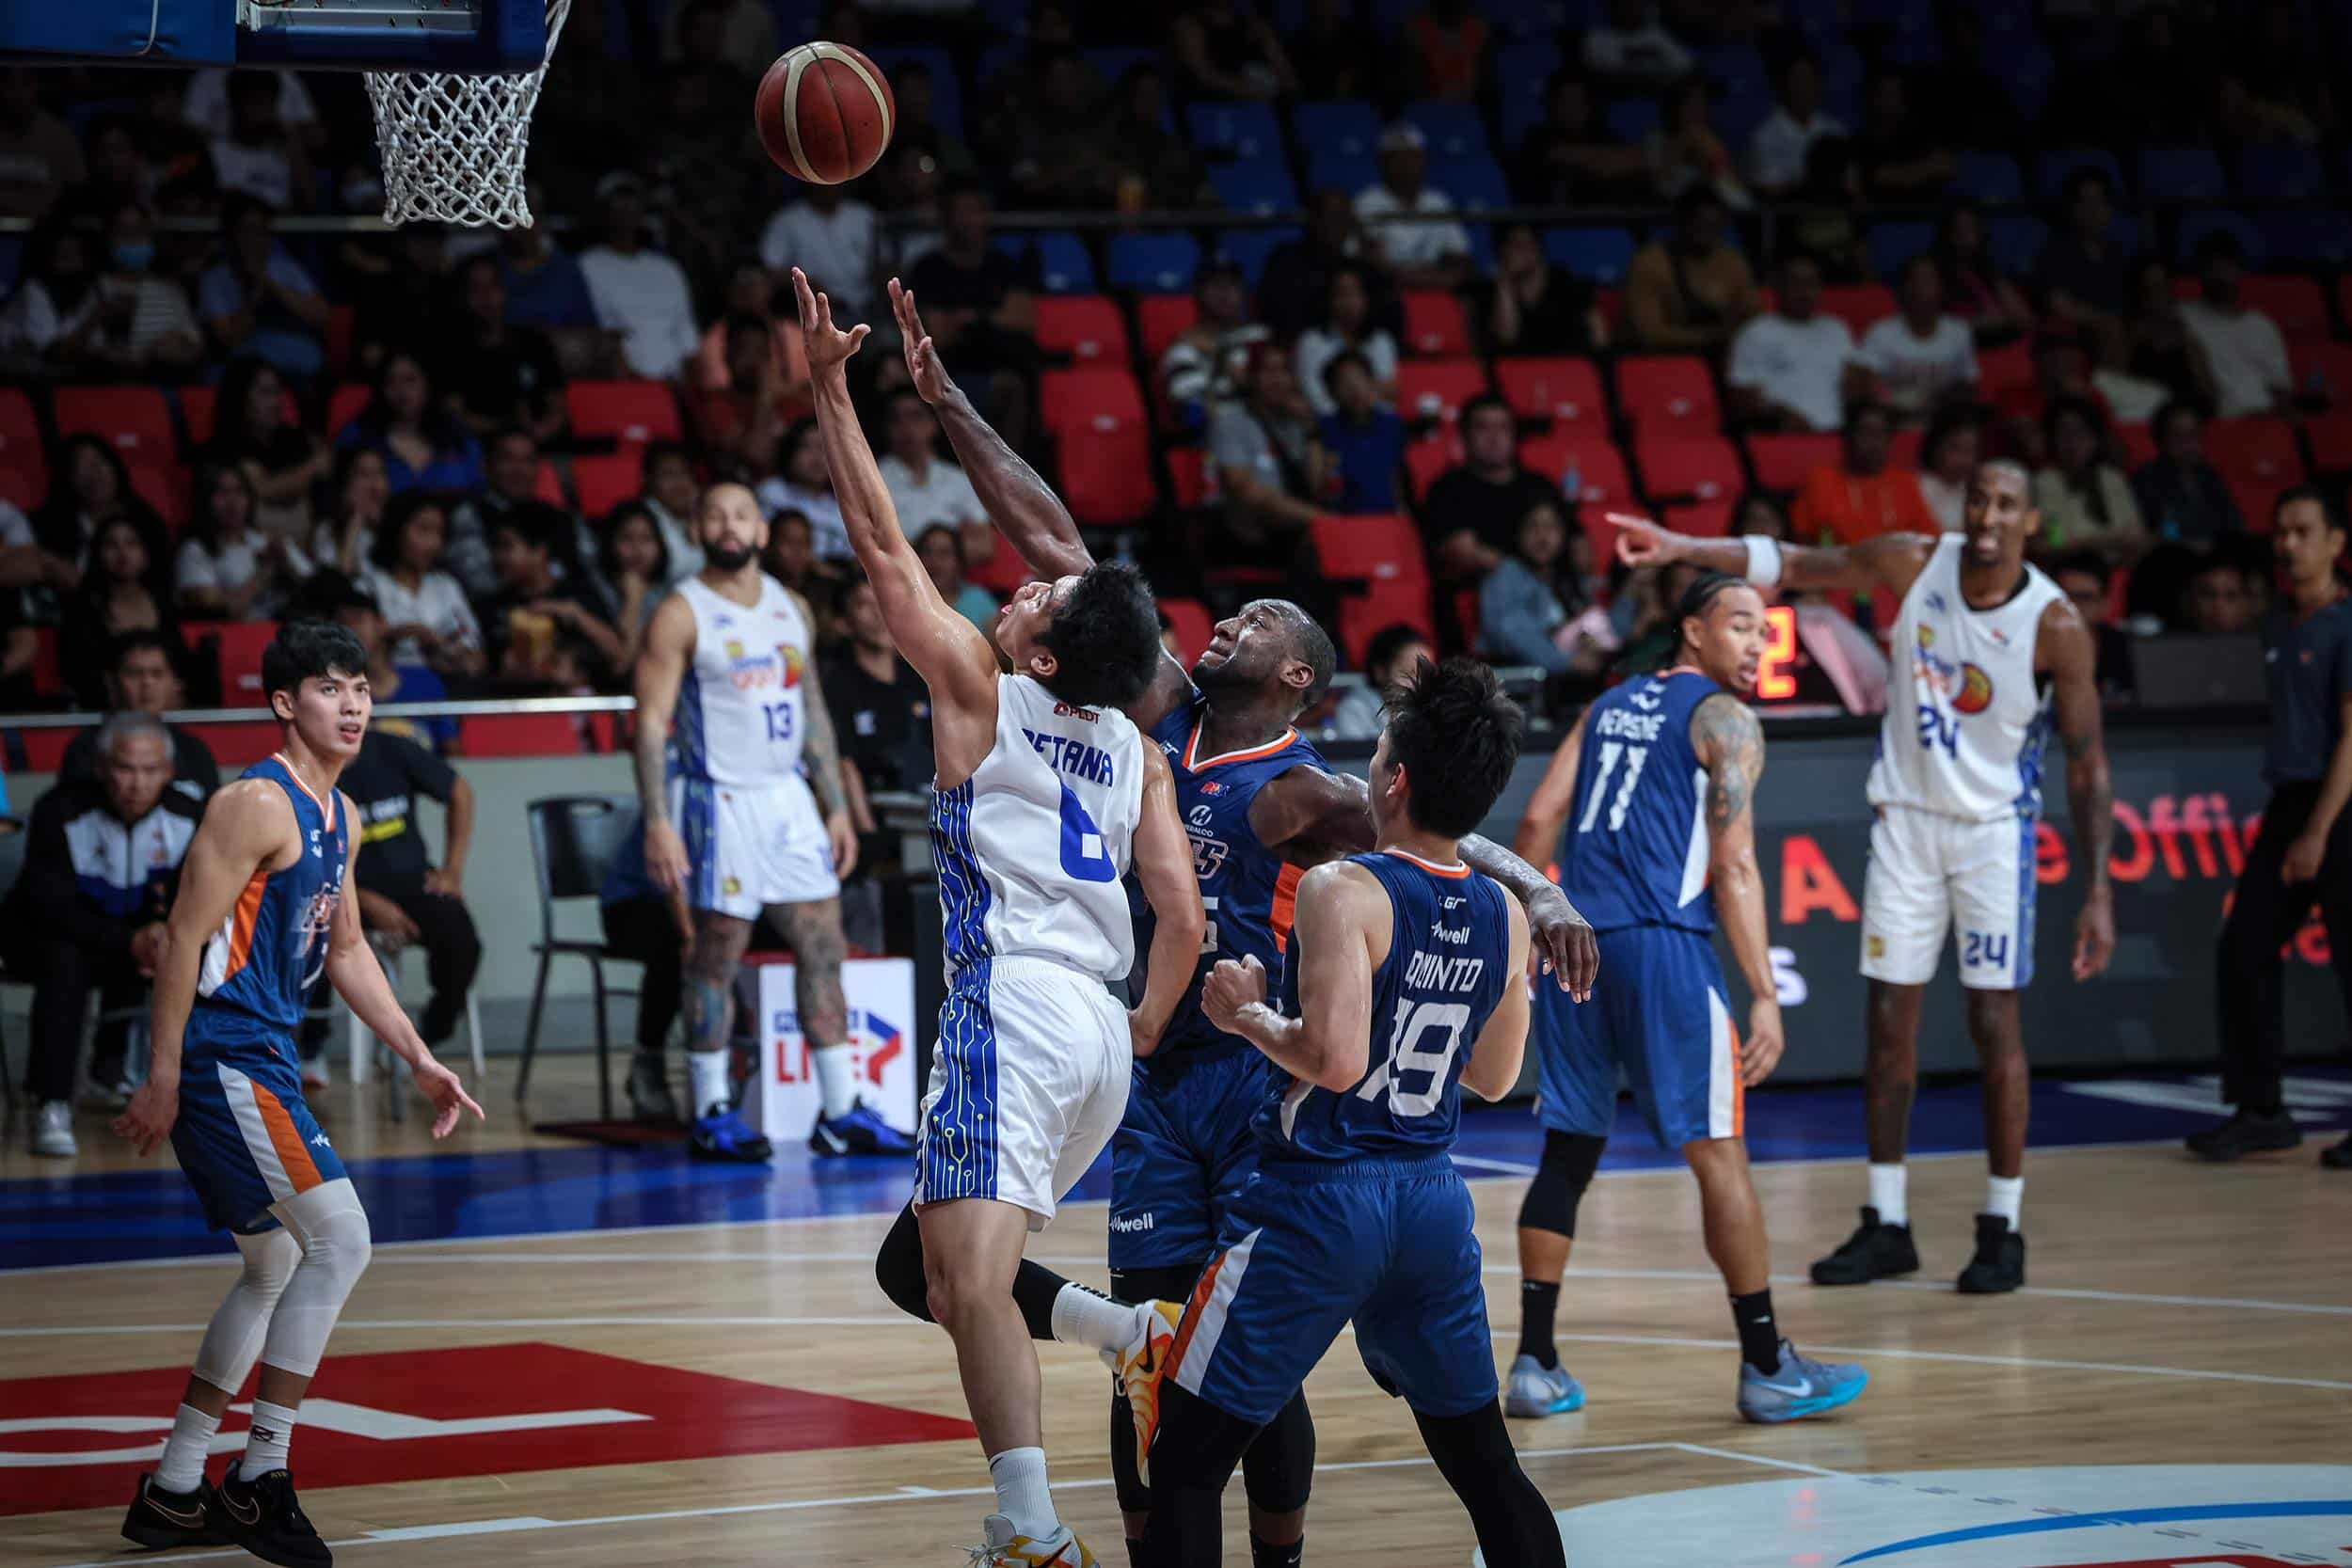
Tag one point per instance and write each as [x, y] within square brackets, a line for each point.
[944, 495]
[1777, 150]
[1635, 54]
[439, 605]
[1190, 373]
[1947, 501]
[2247, 353]
[16, 529]
[1912, 371]
[1317, 348]
[1796, 364]
[206, 104]
[828, 535]
[261, 172]
[232, 566]
[1413, 244]
[30, 322]
[838, 249]
[645, 298]
[677, 538]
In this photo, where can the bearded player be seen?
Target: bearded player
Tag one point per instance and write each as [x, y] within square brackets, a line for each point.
[1989, 654]
[1260, 805]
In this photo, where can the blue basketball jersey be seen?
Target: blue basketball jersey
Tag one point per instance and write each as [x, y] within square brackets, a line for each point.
[1448, 958]
[1247, 888]
[273, 944]
[1635, 852]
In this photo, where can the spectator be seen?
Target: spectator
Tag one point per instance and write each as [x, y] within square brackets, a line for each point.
[1269, 468]
[1200, 368]
[2084, 273]
[1366, 440]
[1472, 513]
[1336, 56]
[1793, 368]
[636, 572]
[1686, 151]
[256, 301]
[2083, 578]
[541, 632]
[2062, 369]
[519, 480]
[1955, 440]
[977, 302]
[1974, 289]
[835, 241]
[2220, 602]
[423, 447]
[1970, 104]
[926, 490]
[2182, 498]
[39, 157]
[1777, 151]
[1530, 608]
[138, 326]
[1388, 657]
[943, 557]
[47, 324]
[101, 863]
[2085, 502]
[1145, 166]
[1570, 156]
[1823, 224]
[1634, 50]
[1430, 250]
[1537, 308]
[88, 488]
[345, 540]
[804, 484]
[1297, 275]
[1346, 328]
[791, 558]
[637, 291]
[645, 926]
[545, 287]
[403, 294]
[1921, 358]
[2244, 346]
[1446, 52]
[143, 676]
[1223, 49]
[1687, 290]
[205, 106]
[430, 622]
[2166, 356]
[1037, 139]
[1863, 497]
[497, 373]
[750, 291]
[227, 569]
[884, 714]
[917, 124]
[257, 156]
[281, 461]
[744, 418]
[2287, 77]
[1900, 157]
[345, 601]
[120, 170]
[671, 492]
[404, 900]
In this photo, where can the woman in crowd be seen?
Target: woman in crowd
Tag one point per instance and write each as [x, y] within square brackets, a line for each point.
[1973, 288]
[1538, 308]
[88, 487]
[2085, 500]
[1346, 325]
[1388, 657]
[425, 613]
[423, 447]
[1531, 609]
[47, 325]
[671, 493]
[791, 560]
[635, 565]
[1947, 457]
[227, 569]
[942, 556]
[362, 488]
[123, 590]
[805, 485]
[284, 463]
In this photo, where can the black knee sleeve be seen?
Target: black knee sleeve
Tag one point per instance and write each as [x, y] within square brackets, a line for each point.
[899, 1267]
[1171, 1282]
[1192, 1459]
[1566, 1169]
[1279, 1468]
[1474, 1454]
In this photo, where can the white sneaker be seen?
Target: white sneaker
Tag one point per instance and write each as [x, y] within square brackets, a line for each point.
[317, 1073]
[52, 1131]
[1005, 1547]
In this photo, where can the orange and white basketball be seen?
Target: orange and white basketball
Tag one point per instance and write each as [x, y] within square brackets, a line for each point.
[824, 113]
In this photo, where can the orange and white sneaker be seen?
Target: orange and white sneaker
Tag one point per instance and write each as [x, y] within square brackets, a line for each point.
[1141, 1363]
[1004, 1547]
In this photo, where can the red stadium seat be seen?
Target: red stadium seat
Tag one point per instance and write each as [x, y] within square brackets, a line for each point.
[603, 481]
[1362, 616]
[1860, 305]
[1086, 327]
[1553, 389]
[237, 653]
[1103, 446]
[2323, 367]
[135, 419]
[164, 487]
[1655, 389]
[1001, 570]
[24, 466]
[1708, 519]
[1186, 475]
[2332, 441]
[2296, 304]
[1601, 479]
[1903, 447]
[341, 321]
[1071, 400]
[2257, 501]
[199, 412]
[1781, 462]
[1435, 327]
[48, 672]
[1425, 460]
[44, 750]
[1706, 467]
[1189, 620]
[546, 486]
[517, 734]
[2262, 448]
[242, 742]
[346, 404]
[631, 413]
[2000, 369]
[2139, 443]
[1601, 532]
[1377, 548]
[1436, 388]
[1160, 320]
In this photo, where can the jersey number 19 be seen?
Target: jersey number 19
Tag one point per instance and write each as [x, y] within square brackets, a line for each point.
[1415, 1021]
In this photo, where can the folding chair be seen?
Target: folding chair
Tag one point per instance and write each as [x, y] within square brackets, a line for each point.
[574, 842]
[365, 1047]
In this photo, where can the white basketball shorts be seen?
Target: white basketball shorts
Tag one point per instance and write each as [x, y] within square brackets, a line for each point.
[1028, 1086]
[747, 848]
[1931, 875]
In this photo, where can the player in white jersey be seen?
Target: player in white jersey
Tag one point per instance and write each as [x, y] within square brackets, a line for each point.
[1988, 651]
[1045, 796]
[730, 823]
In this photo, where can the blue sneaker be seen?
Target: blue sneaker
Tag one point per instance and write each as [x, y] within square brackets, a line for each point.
[1533, 1391]
[861, 1130]
[723, 1134]
[1798, 1388]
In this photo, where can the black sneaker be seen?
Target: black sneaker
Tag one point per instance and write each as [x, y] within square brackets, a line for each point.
[2246, 1132]
[649, 1098]
[1874, 1251]
[1999, 1264]
[262, 1516]
[2338, 1156]
[161, 1519]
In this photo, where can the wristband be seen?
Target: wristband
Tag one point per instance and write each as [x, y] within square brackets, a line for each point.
[1763, 559]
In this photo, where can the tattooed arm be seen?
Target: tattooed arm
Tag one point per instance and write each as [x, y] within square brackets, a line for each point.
[2066, 650]
[821, 747]
[1730, 744]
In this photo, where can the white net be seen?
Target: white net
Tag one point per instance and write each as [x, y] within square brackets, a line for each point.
[454, 145]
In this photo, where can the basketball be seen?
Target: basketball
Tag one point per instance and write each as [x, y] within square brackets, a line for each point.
[824, 113]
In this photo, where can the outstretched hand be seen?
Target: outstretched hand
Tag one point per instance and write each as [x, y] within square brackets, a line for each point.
[1643, 543]
[827, 345]
[929, 375]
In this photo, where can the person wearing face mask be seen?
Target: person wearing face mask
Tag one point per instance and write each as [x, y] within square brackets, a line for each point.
[145, 326]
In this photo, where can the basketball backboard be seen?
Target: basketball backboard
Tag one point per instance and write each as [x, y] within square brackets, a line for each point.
[452, 37]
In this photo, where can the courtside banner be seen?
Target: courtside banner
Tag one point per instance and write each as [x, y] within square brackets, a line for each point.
[881, 995]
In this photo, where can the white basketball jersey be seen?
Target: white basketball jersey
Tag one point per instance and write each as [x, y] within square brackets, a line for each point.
[1031, 847]
[1966, 717]
[740, 709]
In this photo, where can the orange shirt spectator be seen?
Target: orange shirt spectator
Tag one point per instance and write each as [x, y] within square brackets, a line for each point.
[1447, 52]
[1861, 497]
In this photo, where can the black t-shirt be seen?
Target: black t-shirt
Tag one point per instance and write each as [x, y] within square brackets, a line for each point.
[953, 286]
[194, 771]
[2309, 665]
[884, 726]
[1461, 499]
[1560, 323]
[384, 781]
[522, 371]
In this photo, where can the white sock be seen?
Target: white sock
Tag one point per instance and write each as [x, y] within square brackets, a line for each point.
[1886, 1194]
[1022, 1495]
[706, 1072]
[1090, 1318]
[182, 1465]
[836, 1077]
[265, 1446]
[2005, 1196]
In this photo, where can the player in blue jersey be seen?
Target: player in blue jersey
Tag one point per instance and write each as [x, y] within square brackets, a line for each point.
[1260, 805]
[259, 915]
[1654, 784]
[1403, 982]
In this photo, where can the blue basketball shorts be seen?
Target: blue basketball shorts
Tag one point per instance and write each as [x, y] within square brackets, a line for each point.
[1659, 1013]
[1306, 1250]
[1184, 1153]
[245, 1138]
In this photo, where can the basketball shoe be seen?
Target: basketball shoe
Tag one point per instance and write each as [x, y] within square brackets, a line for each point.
[161, 1519]
[1999, 1264]
[723, 1135]
[1141, 1363]
[262, 1516]
[2338, 1156]
[1535, 1389]
[860, 1130]
[1798, 1387]
[1003, 1547]
[2246, 1132]
[1874, 1251]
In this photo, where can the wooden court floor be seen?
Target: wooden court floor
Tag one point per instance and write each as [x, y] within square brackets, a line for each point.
[2178, 1316]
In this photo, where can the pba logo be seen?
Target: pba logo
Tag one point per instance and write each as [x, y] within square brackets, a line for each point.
[1976, 690]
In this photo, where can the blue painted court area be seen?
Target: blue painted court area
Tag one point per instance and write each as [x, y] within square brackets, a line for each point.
[536, 1192]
